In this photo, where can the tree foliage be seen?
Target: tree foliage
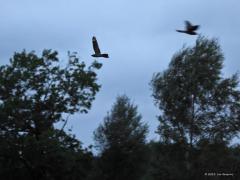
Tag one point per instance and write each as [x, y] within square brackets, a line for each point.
[200, 112]
[35, 92]
[196, 100]
[121, 139]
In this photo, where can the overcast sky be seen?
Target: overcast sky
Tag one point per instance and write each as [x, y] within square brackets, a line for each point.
[139, 36]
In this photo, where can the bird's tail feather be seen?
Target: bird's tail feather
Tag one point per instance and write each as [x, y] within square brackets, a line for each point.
[105, 55]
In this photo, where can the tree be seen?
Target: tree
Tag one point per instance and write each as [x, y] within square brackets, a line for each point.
[121, 141]
[35, 92]
[196, 101]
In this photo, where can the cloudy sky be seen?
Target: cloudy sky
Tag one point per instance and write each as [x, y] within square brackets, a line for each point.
[139, 36]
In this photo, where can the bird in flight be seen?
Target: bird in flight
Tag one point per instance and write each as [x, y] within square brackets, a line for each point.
[96, 49]
[189, 28]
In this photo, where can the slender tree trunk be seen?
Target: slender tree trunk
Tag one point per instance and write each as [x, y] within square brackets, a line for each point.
[192, 120]
[188, 154]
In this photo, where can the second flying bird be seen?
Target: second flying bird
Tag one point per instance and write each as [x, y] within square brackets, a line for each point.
[97, 50]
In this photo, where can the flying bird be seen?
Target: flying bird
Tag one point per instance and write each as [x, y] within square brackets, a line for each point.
[189, 28]
[97, 50]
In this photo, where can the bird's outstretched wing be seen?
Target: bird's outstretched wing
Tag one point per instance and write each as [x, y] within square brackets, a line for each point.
[188, 24]
[95, 45]
[190, 27]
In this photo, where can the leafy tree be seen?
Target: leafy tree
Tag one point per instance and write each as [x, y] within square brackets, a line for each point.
[196, 101]
[35, 92]
[121, 141]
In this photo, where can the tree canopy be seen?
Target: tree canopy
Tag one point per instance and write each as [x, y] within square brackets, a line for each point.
[121, 139]
[200, 112]
[196, 100]
[35, 92]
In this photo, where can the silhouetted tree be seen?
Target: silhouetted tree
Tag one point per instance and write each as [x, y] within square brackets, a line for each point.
[121, 141]
[35, 92]
[196, 101]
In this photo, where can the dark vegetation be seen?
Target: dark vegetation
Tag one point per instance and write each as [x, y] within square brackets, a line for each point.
[199, 116]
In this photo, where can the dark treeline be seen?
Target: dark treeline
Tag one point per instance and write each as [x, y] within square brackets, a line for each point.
[199, 119]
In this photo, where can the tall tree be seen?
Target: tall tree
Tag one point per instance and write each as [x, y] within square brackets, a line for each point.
[35, 92]
[121, 141]
[196, 101]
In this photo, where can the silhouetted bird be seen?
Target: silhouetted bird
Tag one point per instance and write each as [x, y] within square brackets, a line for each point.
[189, 28]
[96, 49]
